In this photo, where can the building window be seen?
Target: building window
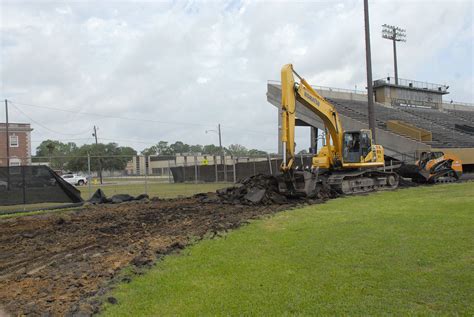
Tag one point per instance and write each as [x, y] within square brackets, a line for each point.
[15, 162]
[13, 140]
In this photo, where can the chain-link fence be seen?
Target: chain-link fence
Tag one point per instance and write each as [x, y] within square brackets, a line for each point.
[163, 176]
[153, 175]
[34, 184]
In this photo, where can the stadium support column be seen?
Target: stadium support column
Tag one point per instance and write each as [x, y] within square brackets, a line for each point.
[314, 140]
[368, 57]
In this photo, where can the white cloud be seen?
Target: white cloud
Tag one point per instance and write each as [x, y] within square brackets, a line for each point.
[204, 63]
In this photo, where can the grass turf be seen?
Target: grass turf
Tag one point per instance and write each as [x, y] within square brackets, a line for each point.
[408, 252]
[162, 190]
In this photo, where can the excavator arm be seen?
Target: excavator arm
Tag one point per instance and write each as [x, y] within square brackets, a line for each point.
[305, 94]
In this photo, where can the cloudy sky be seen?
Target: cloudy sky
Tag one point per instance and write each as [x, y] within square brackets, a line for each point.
[144, 71]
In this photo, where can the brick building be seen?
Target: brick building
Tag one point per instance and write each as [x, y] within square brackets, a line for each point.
[19, 144]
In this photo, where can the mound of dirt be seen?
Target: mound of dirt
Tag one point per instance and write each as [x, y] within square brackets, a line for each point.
[255, 190]
[99, 197]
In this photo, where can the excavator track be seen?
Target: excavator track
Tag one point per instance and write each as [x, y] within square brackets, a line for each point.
[355, 182]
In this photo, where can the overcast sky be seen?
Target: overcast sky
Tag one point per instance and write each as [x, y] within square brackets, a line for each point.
[176, 69]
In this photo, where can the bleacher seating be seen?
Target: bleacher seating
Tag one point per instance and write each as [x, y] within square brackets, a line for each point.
[441, 124]
[466, 115]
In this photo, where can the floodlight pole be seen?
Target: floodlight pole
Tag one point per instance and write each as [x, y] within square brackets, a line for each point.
[395, 60]
[368, 57]
[395, 34]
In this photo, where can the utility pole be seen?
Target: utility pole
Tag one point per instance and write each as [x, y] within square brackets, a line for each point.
[395, 34]
[100, 159]
[7, 139]
[368, 57]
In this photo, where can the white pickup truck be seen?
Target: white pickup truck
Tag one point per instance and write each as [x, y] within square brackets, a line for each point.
[75, 179]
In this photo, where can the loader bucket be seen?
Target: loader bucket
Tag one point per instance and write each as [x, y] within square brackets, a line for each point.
[414, 172]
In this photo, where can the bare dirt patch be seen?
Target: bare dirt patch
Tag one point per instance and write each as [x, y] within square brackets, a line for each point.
[59, 264]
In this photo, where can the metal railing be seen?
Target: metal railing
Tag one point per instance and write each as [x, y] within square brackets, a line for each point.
[410, 83]
[350, 91]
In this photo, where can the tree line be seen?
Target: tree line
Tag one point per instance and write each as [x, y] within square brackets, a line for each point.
[70, 156]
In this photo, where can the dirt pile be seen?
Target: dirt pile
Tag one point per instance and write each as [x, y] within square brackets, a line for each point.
[257, 190]
[99, 197]
[263, 190]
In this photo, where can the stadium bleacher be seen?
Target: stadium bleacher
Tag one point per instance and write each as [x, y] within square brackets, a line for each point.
[463, 114]
[446, 127]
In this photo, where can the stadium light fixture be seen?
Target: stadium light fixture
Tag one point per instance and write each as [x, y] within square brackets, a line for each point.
[396, 34]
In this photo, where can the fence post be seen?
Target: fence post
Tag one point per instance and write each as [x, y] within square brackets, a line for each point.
[235, 176]
[215, 168]
[195, 170]
[89, 174]
[147, 164]
[24, 184]
[225, 169]
[169, 171]
[185, 164]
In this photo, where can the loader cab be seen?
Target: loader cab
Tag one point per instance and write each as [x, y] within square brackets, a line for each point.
[428, 156]
[356, 145]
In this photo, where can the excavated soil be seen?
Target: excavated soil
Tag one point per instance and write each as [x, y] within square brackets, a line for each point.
[59, 264]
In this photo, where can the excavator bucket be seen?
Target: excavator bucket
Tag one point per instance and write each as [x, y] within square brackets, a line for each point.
[299, 184]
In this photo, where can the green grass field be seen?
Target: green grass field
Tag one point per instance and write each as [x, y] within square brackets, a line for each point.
[407, 252]
[162, 190]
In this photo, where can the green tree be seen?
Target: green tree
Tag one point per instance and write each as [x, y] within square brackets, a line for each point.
[255, 152]
[112, 157]
[55, 152]
[179, 147]
[152, 150]
[237, 150]
[196, 148]
[161, 148]
[211, 149]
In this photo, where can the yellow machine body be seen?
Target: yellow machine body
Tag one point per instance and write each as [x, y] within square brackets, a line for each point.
[350, 149]
[349, 159]
[438, 166]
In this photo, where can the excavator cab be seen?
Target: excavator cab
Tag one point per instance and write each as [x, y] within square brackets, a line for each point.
[356, 146]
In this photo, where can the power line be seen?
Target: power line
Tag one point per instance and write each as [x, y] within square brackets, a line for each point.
[135, 119]
[110, 116]
[43, 126]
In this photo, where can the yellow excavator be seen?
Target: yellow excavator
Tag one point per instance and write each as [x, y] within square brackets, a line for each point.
[348, 162]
